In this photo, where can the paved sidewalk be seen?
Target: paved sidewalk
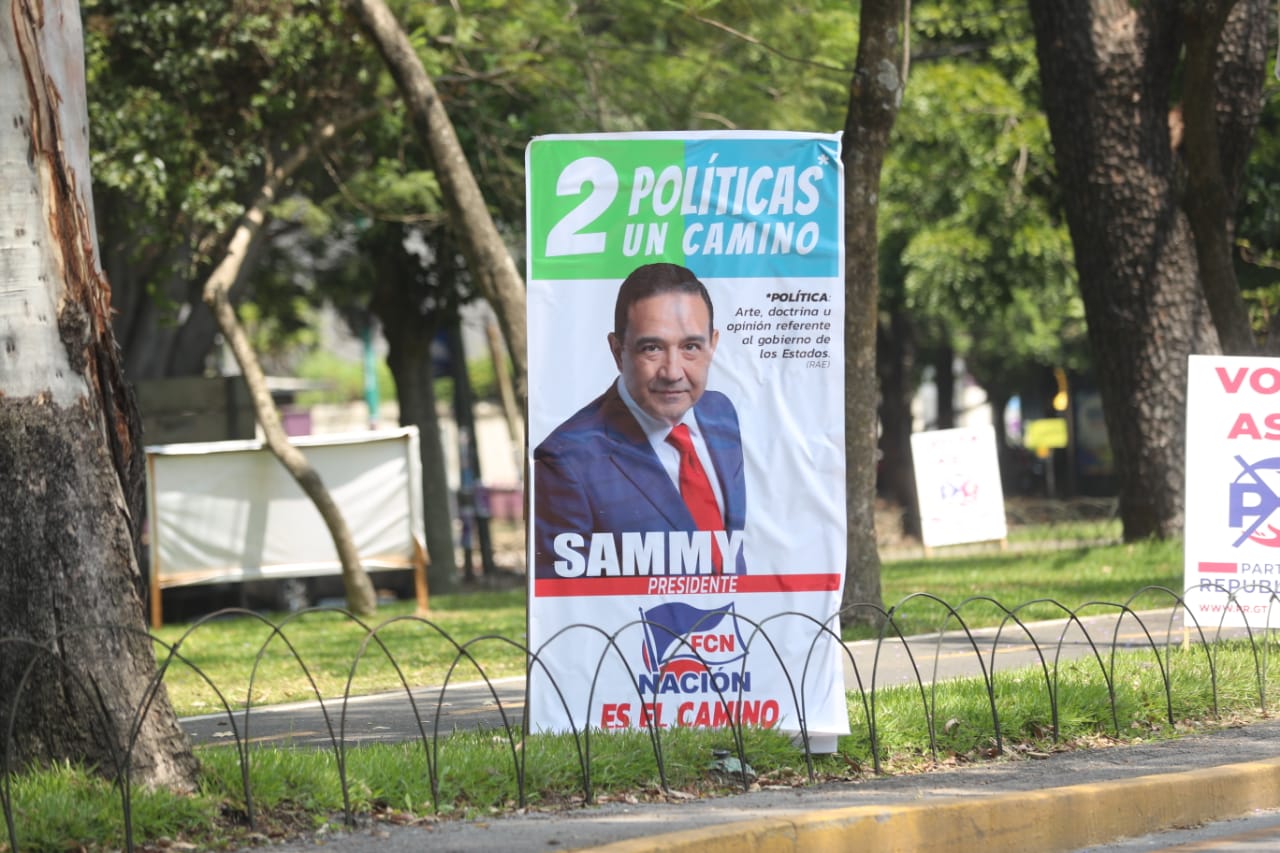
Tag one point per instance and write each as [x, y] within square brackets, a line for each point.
[1066, 802]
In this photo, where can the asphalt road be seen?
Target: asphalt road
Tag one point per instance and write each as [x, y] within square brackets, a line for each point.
[1255, 833]
[380, 718]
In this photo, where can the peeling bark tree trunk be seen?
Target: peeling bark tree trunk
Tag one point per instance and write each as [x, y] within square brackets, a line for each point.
[71, 473]
[361, 598]
[874, 96]
[1107, 69]
[488, 260]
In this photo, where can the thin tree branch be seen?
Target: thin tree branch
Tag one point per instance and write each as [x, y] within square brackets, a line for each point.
[750, 39]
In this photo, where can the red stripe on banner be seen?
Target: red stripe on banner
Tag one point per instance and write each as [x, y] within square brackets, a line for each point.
[790, 583]
[1218, 568]
[686, 585]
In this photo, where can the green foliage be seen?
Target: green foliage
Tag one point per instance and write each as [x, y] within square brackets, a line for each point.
[191, 102]
[484, 381]
[972, 246]
[394, 189]
[994, 31]
[509, 70]
[343, 380]
[1258, 227]
[279, 323]
[192, 99]
[741, 63]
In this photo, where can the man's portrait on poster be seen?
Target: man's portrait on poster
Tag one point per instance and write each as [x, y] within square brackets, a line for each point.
[646, 479]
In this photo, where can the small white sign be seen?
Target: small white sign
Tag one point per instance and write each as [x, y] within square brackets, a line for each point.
[958, 486]
[1232, 530]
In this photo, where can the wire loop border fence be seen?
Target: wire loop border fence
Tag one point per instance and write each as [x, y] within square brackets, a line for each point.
[517, 733]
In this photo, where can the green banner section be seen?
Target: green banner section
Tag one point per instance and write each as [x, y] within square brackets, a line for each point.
[581, 200]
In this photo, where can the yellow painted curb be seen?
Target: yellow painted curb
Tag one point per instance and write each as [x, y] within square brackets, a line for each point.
[1054, 819]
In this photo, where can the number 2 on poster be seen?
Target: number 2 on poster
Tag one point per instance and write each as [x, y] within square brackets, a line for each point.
[567, 236]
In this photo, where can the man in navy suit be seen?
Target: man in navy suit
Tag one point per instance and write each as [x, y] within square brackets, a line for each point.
[607, 482]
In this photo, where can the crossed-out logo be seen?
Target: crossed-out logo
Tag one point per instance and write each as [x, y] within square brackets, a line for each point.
[1253, 502]
[693, 669]
[1253, 498]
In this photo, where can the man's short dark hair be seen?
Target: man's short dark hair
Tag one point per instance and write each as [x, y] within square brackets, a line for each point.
[652, 280]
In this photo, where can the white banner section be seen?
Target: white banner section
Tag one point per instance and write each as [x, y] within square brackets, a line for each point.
[958, 486]
[1232, 530]
[229, 511]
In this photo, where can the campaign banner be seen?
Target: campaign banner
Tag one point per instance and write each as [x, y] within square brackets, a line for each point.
[686, 431]
[958, 486]
[1232, 529]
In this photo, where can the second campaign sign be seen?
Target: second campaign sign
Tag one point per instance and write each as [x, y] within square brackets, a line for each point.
[1232, 572]
[686, 427]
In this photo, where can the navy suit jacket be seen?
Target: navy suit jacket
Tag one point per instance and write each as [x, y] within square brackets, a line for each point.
[598, 473]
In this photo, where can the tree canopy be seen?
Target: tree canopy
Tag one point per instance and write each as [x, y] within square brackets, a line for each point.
[191, 102]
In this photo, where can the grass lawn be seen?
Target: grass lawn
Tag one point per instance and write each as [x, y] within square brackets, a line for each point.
[231, 650]
[1031, 582]
[476, 774]
[296, 792]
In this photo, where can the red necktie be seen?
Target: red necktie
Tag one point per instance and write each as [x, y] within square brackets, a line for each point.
[695, 488]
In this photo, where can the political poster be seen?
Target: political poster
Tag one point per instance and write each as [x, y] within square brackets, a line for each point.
[1232, 528]
[686, 431]
[958, 486]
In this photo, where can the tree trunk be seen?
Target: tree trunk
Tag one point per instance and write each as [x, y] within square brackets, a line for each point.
[874, 96]
[472, 506]
[488, 259]
[944, 380]
[163, 332]
[896, 367]
[360, 595]
[411, 301]
[998, 398]
[71, 462]
[409, 357]
[1226, 58]
[1106, 71]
